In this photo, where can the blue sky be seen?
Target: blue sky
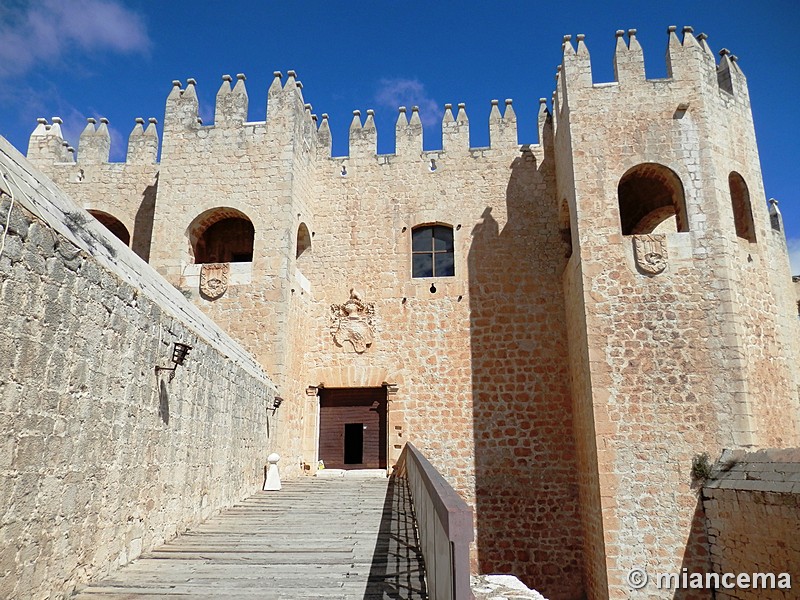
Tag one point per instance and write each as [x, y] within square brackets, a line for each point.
[117, 58]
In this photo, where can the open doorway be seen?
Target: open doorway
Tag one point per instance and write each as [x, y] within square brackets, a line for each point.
[353, 428]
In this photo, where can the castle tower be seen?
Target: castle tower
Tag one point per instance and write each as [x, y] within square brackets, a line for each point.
[232, 197]
[673, 297]
[561, 327]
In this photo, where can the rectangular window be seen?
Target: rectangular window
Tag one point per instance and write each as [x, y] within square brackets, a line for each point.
[432, 251]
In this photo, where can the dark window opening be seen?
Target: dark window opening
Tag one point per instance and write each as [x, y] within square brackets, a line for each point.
[649, 195]
[227, 240]
[114, 225]
[353, 443]
[432, 251]
[565, 228]
[742, 209]
[303, 240]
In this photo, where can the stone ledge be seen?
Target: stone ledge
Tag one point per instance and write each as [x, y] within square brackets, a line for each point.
[501, 587]
[768, 470]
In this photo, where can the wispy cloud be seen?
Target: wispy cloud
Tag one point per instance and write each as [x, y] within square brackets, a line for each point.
[43, 31]
[409, 92]
[794, 254]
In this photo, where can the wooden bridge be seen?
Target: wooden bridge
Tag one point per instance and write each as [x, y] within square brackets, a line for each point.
[317, 538]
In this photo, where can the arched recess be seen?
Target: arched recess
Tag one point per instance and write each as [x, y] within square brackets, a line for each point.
[742, 209]
[651, 198]
[114, 225]
[303, 242]
[221, 235]
[565, 227]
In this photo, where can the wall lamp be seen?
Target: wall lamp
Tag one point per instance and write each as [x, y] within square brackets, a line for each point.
[276, 403]
[179, 353]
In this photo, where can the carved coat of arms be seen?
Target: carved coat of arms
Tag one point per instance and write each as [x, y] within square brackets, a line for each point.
[353, 322]
[214, 279]
[651, 252]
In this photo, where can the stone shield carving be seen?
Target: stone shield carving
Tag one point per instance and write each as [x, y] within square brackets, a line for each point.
[214, 279]
[651, 252]
[352, 323]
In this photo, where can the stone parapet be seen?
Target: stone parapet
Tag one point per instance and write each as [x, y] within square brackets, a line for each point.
[102, 457]
[752, 510]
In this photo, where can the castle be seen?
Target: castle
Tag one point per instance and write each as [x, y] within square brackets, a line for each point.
[561, 327]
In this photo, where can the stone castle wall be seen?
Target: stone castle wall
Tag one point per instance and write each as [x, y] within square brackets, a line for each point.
[674, 357]
[479, 360]
[126, 191]
[102, 459]
[562, 390]
[752, 509]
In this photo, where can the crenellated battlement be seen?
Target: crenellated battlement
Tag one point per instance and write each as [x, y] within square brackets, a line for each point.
[286, 109]
[47, 143]
[143, 143]
[588, 312]
[231, 108]
[94, 145]
[689, 59]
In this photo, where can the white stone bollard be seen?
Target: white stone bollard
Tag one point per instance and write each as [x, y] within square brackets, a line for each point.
[273, 481]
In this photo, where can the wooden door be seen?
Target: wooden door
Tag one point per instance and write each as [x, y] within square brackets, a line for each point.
[353, 428]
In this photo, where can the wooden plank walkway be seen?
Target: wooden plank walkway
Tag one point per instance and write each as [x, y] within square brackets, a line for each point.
[317, 538]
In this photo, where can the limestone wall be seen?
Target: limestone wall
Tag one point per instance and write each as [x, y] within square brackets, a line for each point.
[564, 397]
[255, 171]
[126, 191]
[100, 458]
[752, 512]
[479, 360]
[675, 358]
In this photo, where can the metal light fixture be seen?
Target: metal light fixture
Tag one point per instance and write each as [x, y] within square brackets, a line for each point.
[179, 353]
[276, 403]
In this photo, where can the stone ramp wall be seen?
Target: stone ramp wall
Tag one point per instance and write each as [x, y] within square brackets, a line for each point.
[753, 514]
[100, 458]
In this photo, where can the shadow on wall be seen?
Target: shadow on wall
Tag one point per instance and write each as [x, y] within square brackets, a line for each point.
[696, 558]
[163, 402]
[527, 508]
[143, 223]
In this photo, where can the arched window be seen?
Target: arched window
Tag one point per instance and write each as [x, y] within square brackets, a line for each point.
[114, 225]
[651, 197]
[742, 210]
[303, 241]
[222, 235]
[432, 251]
[565, 227]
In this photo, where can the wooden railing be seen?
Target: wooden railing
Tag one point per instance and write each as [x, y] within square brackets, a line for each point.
[444, 522]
